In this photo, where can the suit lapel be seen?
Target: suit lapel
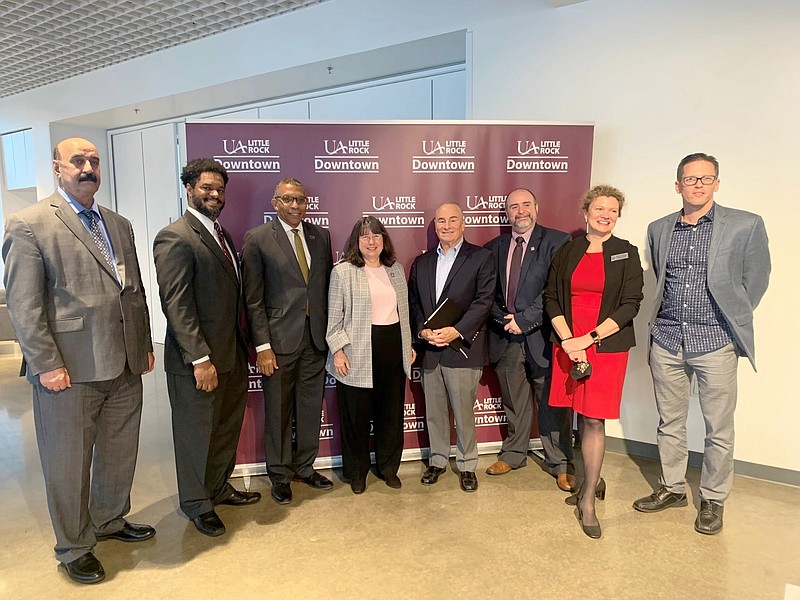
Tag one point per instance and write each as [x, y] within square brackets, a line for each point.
[430, 263]
[717, 231]
[282, 239]
[65, 212]
[530, 254]
[461, 258]
[213, 245]
[115, 235]
[313, 242]
[502, 261]
[665, 237]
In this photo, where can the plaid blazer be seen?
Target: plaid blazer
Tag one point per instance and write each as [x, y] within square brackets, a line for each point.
[350, 321]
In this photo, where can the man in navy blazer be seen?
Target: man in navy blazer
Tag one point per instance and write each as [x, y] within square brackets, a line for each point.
[464, 273]
[519, 343]
[712, 268]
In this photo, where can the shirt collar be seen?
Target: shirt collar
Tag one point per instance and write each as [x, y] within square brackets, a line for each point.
[525, 236]
[706, 218]
[287, 228]
[454, 250]
[77, 206]
[207, 223]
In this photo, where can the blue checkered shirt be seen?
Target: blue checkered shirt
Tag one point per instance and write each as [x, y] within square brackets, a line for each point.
[689, 318]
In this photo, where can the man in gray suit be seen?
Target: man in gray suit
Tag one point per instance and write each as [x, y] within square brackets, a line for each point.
[287, 266]
[78, 307]
[519, 343]
[205, 351]
[712, 267]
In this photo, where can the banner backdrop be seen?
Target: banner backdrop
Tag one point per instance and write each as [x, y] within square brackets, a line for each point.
[398, 172]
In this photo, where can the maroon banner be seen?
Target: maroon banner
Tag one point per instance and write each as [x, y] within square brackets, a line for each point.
[398, 172]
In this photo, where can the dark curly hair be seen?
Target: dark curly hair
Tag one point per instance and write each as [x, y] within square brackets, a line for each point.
[194, 168]
[363, 226]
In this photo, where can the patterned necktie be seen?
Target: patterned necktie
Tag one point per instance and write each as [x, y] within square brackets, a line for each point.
[301, 254]
[97, 235]
[222, 243]
[513, 275]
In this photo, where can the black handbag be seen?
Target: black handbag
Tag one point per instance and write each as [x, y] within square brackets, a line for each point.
[580, 370]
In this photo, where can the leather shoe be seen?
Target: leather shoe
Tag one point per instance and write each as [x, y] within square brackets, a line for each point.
[85, 569]
[281, 493]
[393, 481]
[242, 498]
[358, 486]
[209, 524]
[567, 482]
[130, 532]
[431, 475]
[709, 519]
[468, 481]
[316, 481]
[660, 500]
[500, 467]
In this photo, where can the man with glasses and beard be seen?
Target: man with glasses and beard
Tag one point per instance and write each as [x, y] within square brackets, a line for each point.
[287, 266]
[205, 351]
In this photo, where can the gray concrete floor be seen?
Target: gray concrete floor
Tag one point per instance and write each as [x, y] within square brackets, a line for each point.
[514, 538]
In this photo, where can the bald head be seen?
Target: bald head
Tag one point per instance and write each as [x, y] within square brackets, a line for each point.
[76, 164]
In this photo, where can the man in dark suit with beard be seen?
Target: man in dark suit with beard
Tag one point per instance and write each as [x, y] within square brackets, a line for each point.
[205, 351]
[287, 266]
[519, 344]
[464, 273]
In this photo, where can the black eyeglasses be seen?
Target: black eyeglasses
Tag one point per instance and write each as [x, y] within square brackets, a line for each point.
[705, 180]
[288, 200]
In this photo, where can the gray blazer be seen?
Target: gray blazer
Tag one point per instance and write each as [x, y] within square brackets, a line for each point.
[65, 302]
[738, 267]
[350, 321]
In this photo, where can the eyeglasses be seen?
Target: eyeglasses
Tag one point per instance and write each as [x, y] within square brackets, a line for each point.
[705, 179]
[370, 237]
[288, 200]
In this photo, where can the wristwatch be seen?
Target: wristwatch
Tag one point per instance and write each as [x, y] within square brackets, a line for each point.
[595, 337]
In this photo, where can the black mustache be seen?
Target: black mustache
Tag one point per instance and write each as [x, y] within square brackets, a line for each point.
[88, 177]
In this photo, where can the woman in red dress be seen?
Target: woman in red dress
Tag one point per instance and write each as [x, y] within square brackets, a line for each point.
[593, 293]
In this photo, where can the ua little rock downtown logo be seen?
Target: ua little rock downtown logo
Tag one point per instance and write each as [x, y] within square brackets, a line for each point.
[248, 156]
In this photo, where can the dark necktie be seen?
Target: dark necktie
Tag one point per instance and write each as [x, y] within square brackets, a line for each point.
[222, 243]
[513, 275]
[97, 235]
[301, 254]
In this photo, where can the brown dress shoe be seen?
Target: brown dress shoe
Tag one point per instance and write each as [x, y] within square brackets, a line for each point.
[566, 482]
[501, 467]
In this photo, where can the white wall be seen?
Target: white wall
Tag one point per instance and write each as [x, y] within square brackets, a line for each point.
[661, 79]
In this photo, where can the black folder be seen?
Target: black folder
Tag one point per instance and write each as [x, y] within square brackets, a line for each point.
[445, 315]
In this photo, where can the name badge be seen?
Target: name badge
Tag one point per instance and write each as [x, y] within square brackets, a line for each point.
[622, 256]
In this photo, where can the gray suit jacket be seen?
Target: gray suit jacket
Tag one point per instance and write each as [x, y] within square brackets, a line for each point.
[65, 302]
[277, 295]
[350, 321]
[738, 267]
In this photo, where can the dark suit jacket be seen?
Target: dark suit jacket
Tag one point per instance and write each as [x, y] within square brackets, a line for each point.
[470, 284]
[544, 243]
[65, 302]
[738, 267]
[276, 293]
[622, 292]
[201, 297]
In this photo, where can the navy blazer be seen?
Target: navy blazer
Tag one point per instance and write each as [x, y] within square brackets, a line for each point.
[622, 292]
[544, 242]
[470, 284]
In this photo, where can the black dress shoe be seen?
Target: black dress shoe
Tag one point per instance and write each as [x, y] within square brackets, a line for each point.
[281, 493]
[358, 486]
[393, 481]
[130, 532]
[209, 524]
[316, 481]
[709, 519]
[431, 475]
[85, 569]
[660, 500]
[238, 498]
[469, 483]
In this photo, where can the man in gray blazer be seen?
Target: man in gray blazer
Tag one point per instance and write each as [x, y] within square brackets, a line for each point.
[78, 307]
[712, 268]
[205, 351]
[519, 344]
[287, 266]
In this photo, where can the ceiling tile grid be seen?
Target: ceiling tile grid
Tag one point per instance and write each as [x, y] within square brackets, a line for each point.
[42, 42]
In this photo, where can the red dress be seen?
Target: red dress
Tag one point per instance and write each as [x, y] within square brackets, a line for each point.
[599, 395]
